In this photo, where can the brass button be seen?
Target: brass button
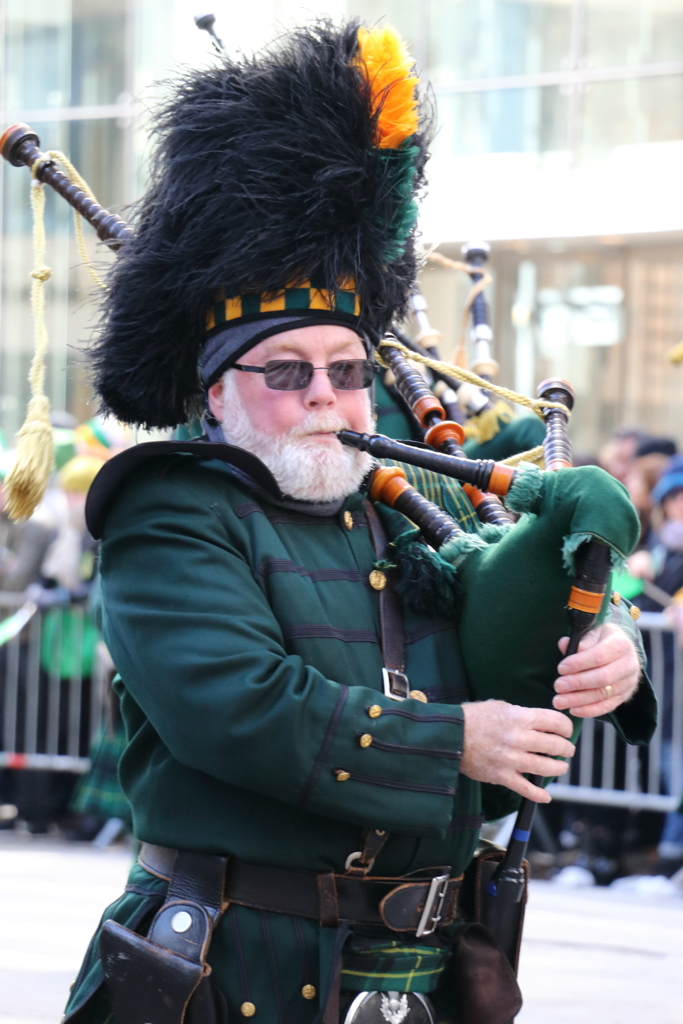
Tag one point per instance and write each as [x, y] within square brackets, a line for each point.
[634, 612]
[377, 579]
[365, 740]
[616, 598]
[419, 695]
[247, 1009]
[341, 775]
[308, 992]
[348, 523]
[375, 711]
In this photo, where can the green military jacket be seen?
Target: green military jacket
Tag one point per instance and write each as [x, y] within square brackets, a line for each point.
[247, 638]
[247, 641]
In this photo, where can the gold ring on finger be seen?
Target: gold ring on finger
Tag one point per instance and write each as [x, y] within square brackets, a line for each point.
[608, 692]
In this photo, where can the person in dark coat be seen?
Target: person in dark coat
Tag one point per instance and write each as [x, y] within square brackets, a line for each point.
[662, 565]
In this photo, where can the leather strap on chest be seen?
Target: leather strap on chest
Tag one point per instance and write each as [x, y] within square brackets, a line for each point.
[390, 617]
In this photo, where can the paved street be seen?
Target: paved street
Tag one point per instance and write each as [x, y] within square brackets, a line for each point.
[601, 956]
[51, 897]
[593, 955]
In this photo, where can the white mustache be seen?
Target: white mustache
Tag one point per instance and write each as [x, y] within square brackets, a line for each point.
[317, 423]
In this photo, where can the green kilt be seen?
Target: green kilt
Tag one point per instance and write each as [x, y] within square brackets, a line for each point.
[99, 791]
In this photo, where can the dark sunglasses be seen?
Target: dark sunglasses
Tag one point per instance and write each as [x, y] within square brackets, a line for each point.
[297, 374]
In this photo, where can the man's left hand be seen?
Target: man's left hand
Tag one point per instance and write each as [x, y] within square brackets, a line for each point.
[600, 676]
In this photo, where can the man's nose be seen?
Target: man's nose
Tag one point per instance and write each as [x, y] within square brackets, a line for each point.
[319, 392]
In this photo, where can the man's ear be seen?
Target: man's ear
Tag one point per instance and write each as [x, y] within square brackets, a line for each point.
[216, 400]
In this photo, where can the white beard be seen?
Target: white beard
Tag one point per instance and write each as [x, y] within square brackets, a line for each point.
[304, 467]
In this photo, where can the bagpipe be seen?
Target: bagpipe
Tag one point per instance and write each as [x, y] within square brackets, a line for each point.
[514, 578]
[515, 597]
[19, 145]
[516, 587]
[490, 427]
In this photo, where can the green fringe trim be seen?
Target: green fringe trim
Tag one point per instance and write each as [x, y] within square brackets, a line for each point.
[492, 534]
[524, 492]
[573, 541]
[426, 580]
[456, 550]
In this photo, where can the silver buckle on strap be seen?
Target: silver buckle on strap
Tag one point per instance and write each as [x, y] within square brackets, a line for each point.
[396, 685]
[431, 915]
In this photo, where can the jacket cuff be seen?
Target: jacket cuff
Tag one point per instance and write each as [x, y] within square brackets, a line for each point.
[388, 764]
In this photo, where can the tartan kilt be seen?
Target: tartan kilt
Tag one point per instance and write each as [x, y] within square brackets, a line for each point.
[99, 791]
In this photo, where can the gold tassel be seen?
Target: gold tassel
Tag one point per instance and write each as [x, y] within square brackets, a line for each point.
[487, 424]
[27, 479]
[675, 354]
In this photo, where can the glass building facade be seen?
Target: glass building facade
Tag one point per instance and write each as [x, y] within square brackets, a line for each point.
[560, 139]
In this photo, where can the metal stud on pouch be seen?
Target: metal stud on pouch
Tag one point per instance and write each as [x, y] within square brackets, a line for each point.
[390, 1008]
[181, 921]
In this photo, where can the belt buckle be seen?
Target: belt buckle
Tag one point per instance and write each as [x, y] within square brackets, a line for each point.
[431, 915]
[396, 685]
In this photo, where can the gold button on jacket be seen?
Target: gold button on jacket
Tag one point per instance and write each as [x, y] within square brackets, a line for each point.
[377, 579]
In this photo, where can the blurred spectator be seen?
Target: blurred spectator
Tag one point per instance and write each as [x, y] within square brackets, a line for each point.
[64, 436]
[98, 797]
[69, 562]
[651, 459]
[618, 454]
[665, 446]
[662, 565]
[102, 437]
[63, 563]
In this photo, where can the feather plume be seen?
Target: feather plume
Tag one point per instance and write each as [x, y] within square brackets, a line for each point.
[387, 68]
[265, 174]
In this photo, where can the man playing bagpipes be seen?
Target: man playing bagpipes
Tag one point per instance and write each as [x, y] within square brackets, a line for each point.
[304, 757]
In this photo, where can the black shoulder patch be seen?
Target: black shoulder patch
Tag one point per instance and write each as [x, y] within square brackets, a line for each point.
[114, 472]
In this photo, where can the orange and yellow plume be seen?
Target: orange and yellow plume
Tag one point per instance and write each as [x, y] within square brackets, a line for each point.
[387, 67]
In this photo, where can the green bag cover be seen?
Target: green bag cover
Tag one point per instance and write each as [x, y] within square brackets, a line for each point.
[67, 643]
[516, 590]
[519, 435]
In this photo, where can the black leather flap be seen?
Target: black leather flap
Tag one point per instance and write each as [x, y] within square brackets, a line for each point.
[145, 982]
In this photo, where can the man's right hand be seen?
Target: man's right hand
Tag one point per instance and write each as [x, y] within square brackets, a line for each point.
[502, 741]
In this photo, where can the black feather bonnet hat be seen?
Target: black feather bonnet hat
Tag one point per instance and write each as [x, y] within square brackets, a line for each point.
[283, 191]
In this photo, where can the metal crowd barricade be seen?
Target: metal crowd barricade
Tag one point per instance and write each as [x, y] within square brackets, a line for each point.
[49, 711]
[607, 771]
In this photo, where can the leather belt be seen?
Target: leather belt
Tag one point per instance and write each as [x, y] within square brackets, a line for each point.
[417, 903]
